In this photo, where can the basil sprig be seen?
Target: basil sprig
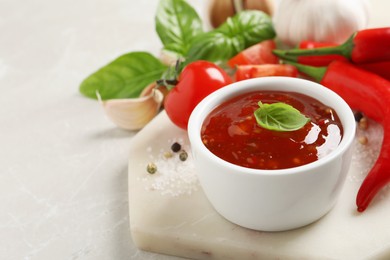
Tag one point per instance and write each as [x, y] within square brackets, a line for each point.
[280, 117]
[236, 34]
[180, 30]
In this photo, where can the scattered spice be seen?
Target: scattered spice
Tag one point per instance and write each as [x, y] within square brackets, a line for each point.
[151, 168]
[363, 123]
[176, 147]
[358, 115]
[363, 140]
[174, 177]
[168, 155]
[183, 156]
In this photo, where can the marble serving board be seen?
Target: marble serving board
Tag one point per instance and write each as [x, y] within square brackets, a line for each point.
[169, 213]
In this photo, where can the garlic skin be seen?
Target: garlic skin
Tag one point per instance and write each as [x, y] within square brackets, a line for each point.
[220, 10]
[319, 20]
[134, 113]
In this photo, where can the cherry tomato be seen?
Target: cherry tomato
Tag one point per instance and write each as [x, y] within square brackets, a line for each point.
[197, 80]
[260, 53]
[264, 70]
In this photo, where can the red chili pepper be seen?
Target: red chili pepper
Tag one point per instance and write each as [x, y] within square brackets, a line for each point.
[319, 60]
[369, 45]
[370, 94]
[381, 68]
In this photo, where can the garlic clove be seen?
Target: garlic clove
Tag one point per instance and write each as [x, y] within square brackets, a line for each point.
[163, 90]
[320, 20]
[133, 113]
[220, 10]
[266, 6]
[148, 90]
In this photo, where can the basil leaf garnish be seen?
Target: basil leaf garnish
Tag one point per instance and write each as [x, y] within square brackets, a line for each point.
[238, 33]
[125, 77]
[177, 24]
[280, 117]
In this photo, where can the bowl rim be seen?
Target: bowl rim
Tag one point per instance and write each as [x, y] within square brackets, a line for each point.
[290, 84]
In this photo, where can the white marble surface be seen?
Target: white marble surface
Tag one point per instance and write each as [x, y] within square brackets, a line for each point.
[63, 164]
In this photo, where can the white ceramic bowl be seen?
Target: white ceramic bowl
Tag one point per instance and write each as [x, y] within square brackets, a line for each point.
[272, 200]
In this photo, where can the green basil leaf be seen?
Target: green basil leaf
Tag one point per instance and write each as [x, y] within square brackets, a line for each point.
[177, 24]
[236, 34]
[125, 77]
[280, 117]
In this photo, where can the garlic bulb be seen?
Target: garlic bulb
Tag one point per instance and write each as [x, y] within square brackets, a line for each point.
[134, 113]
[319, 20]
[220, 10]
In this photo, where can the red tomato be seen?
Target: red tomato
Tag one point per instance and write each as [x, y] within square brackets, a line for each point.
[265, 70]
[197, 80]
[260, 53]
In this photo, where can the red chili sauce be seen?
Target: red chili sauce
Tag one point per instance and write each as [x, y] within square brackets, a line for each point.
[231, 132]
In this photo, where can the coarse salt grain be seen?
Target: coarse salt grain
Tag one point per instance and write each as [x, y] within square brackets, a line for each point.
[173, 177]
[365, 155]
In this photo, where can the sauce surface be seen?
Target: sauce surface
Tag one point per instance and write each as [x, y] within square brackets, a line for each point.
[231, 132]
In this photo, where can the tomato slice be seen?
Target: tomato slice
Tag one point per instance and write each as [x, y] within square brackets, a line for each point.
[260, 53]
[265, 70]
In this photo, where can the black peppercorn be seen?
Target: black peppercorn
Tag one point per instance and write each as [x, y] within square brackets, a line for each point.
[358, 116]
[176, 147]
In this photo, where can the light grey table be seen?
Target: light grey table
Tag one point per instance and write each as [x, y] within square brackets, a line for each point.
[63, 164]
